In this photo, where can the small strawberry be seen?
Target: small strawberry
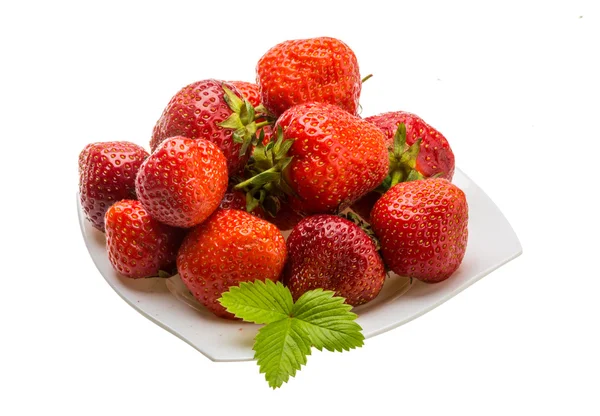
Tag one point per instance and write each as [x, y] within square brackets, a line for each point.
[107, 173]
[183, 181]
[324, 159]
[138, 245]
[299, 71]
[330, 252]
[422, 228]
[214, 111]
[230, 247]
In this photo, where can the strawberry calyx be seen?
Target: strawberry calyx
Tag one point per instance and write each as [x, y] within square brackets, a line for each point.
[245, 120]
[267, 185]
[403, 161]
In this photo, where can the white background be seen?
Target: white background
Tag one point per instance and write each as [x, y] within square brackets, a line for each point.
[514, 86]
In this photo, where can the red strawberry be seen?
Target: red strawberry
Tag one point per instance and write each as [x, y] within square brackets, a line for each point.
[204, 110]
[330, 252]
[435, 156]
[417, 151]
[422, 228]
[299, 71]
[138, 245]
[107, 173]
[183, 181]
[324, 157]
[230, 247]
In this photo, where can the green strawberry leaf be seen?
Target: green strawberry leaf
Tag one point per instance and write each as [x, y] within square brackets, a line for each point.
[328, 321]
[258, 302]
[318, 318]
[281, 349]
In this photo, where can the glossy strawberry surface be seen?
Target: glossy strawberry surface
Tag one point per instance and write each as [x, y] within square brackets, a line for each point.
[248, 90]
[139, 246]
[330, 252]
[232, 246]
[298, 71]
[435, 155]
[422, 227]
[183, 181]
[337, 157]
[195, 112]
[107, 172]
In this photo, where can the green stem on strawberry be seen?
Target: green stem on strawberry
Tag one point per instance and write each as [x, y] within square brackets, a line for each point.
[366, 78]
[243, 120]
[403, 161]
[263, 124]
[267, 167]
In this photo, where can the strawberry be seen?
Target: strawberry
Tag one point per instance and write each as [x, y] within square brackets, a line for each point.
[416, 149]
[422, 228]
[107, 173]
[299, 71]
[183, 181]
[230, 247]
[138, 245]
[212, 110]
[435, 156]
[330, 252]
[324, 158]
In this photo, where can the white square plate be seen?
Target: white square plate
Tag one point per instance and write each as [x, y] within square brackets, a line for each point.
[492, 243]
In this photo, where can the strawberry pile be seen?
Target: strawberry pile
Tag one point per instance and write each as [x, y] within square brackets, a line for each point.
[233, 164]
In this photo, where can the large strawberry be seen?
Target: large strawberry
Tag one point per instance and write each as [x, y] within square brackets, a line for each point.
[230, 247]
[107, 173]
[422, 228]
[138, 245]
[183, 181]
[324, 159]
[330, 252]
[212, 110]
[299, 71]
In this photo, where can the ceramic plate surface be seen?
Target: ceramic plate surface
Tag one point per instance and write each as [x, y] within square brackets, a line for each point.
[492, 243]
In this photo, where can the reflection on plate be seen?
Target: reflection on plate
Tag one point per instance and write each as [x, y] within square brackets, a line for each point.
[492, 243]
